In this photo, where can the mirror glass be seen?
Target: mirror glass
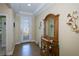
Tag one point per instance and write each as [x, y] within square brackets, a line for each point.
[50, 27]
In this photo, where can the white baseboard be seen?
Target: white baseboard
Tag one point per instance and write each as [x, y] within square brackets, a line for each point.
[18, 42]
[37, 43]
[9, 53]
[26, 41]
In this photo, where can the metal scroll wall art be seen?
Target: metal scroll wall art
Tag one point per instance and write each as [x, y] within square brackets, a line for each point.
[72, 21]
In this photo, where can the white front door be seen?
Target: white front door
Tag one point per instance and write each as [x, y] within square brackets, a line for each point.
[26, 34]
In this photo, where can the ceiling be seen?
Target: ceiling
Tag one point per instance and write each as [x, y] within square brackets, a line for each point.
[23, 8]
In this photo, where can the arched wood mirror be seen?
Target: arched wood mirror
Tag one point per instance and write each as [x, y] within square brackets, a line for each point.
[49, 42]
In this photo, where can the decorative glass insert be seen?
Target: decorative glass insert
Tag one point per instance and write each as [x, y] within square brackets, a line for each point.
[50, 27]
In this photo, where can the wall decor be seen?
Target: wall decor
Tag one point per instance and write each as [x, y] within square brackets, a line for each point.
[40, 25]
[14, 24]
[72, 21]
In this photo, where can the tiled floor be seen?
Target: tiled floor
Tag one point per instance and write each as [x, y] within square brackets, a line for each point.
[26, 49]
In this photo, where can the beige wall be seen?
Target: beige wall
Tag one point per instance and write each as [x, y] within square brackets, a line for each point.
[68, 40]
[9, 28]
[17, 29]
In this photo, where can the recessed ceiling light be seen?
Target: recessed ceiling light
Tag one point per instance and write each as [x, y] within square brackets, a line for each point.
[29, 4]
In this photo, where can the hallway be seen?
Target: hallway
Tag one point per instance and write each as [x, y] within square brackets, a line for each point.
[26, 49]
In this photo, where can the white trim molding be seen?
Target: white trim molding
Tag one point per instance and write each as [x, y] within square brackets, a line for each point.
[39, 8]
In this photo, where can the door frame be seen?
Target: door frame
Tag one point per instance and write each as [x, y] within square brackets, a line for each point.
[21, 35]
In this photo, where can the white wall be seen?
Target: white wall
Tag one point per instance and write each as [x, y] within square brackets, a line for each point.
[68, 40]
[9, 28]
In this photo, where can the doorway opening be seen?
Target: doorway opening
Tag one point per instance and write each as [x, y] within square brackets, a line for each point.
[2, 35]
[26, 28]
